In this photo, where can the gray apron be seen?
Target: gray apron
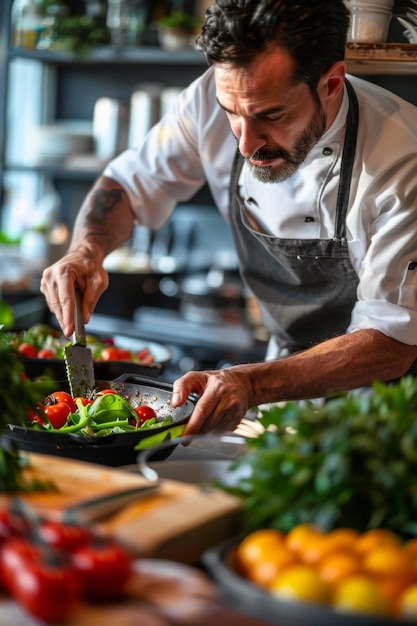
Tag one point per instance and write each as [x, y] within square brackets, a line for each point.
[306, 288]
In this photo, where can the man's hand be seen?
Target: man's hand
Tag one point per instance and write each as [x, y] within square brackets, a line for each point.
[58, 283]
[225, 397]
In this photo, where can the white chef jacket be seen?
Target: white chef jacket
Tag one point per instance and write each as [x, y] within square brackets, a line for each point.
[193, 144]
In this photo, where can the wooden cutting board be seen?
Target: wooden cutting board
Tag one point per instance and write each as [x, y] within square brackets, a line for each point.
[177, 521]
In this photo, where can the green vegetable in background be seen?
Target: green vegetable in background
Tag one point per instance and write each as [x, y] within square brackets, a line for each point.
[351, 462]
[17, 397]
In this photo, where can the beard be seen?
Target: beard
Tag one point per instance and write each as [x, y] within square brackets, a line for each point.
[293, 159]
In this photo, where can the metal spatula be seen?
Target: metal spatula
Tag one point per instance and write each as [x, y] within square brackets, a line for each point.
[79, 358]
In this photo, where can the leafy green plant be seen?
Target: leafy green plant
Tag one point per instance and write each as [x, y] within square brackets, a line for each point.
[179, 20]
[351, 462]
[79, 33]
[17, 397]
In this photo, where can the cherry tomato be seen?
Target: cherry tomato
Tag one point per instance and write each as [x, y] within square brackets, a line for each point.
[115, 354]
[66, 537]
[46, 353]
[57, 414]
[44, 584]
[103, 569]
[145, 356]
[84, 401]
[61, 396]
[36, 415]
[14, 554]
[47, 592]
[28, 350]
[144, 413]
[103, 392]
[12, 525]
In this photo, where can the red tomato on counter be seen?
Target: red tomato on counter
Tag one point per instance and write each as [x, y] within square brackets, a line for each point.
[14, 555]
[48, 592]
[103, 570]
[68, 537]
[46, 588]
[12, 525]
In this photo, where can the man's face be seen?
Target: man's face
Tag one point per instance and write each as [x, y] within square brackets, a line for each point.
[275, 121]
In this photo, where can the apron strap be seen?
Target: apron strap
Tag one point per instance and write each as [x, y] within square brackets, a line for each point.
[346, 167]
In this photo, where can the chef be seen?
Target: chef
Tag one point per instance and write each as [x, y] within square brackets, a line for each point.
[316, 173]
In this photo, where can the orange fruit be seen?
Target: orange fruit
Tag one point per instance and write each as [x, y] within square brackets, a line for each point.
[300, 582]
[392, 590]
[304, 537]
[264, 571]
[407, 604]
[341, 539]
[411, 547]
[338, 565]
[374, 538]
[256, 547]
[360, 594]
[389, 560]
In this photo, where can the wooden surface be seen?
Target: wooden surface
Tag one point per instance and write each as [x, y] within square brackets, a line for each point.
[178, 521]
[382, 52]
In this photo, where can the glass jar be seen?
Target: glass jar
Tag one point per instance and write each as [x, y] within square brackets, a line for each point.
[127, 21]
[369, 20]
[26, 23]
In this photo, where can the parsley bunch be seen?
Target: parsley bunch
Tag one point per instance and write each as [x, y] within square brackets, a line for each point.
[351, 462]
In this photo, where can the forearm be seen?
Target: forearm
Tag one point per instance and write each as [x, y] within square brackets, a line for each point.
[342, 363]
[104, 222]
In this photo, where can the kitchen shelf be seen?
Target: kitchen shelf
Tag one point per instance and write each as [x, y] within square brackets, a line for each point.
[382, 59]
[145, 55]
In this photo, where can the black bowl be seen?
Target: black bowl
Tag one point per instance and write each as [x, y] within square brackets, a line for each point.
[114, 449]
[251, 600]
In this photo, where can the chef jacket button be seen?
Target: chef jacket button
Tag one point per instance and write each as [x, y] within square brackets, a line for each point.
[327, 151]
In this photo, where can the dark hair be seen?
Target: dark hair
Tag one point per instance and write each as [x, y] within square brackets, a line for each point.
[313, 32]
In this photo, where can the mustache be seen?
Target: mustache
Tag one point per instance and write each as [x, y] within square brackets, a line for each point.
[270, 155]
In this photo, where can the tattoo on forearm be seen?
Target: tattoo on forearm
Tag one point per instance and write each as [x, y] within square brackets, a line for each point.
[102, 202]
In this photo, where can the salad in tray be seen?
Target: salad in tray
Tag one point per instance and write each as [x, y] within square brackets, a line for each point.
[107, 412]
[46, 342]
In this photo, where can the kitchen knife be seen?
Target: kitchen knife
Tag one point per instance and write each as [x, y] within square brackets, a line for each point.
[79, 358]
